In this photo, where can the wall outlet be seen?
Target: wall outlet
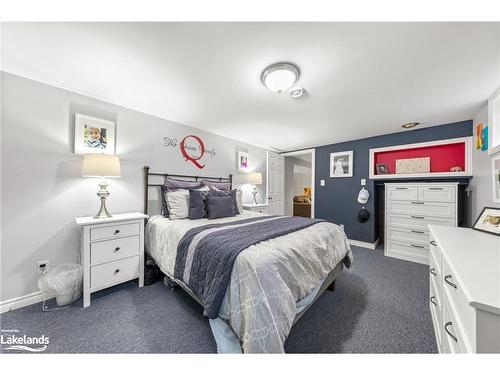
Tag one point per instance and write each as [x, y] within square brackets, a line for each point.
[363, 182]
[43, 265]
[322, 182]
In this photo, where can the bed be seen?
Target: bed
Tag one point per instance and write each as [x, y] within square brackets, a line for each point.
[271, 283]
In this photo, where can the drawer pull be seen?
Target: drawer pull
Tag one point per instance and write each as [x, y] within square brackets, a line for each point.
[435, 188]
[449, 333]
[116, 271]
[417, 202]
[417, 231]
[417, 246]
[401, 188]
[447, 280]
[433, 271]
[433, 300]
[116, 249]
[117, 231]
[417, 217]
[433, 243]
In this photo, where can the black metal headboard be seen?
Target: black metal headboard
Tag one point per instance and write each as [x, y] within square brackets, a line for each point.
[147, 184]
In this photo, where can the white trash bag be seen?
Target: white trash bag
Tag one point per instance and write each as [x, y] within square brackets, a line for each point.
[63, 282]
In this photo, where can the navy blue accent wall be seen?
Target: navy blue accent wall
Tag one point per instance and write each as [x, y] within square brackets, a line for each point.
[337, 201]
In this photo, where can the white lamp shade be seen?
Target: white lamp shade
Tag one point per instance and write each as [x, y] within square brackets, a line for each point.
[254, 178]
[101, 165]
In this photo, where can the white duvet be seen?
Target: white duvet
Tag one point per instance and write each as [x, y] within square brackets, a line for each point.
[268, 278]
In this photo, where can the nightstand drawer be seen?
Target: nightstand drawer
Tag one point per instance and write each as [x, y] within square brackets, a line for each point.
[118, 230]
[107, 251]
[114, 272]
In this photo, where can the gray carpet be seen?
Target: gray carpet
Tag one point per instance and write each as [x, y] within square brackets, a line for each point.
[380, 305]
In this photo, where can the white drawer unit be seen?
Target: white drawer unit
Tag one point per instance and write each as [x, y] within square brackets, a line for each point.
[466, 284]
[112, 251]
[261, 208]
[409, 209]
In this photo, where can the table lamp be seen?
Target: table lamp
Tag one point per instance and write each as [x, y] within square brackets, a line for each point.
[101, 165]
[254, 178]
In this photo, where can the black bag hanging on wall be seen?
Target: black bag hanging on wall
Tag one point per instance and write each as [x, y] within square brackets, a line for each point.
[363, 215]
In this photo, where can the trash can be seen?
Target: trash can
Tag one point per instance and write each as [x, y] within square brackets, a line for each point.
[63, 282]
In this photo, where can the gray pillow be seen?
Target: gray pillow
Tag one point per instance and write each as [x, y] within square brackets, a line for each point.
[171, 184]
[219, 207]
[223, 193]
[197, 204]
[221, 185]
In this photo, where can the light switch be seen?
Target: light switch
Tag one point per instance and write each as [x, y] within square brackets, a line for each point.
[363, 182]
[322, 182]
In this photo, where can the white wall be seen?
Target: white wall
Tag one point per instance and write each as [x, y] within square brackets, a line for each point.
[42, 191]
[481, 184]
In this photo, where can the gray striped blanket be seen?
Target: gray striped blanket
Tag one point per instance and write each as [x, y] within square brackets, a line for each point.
[206, 254]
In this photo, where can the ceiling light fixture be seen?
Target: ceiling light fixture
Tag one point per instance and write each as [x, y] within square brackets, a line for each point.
[410, 125]
[280, 77]
[296, 92]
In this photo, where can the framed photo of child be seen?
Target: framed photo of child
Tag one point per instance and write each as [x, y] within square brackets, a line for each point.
[94, 135]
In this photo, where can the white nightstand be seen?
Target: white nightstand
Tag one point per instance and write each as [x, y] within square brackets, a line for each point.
[262, 208]
[112, 251]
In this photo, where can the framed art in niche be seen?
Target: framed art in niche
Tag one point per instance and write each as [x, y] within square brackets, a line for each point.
[341, 164]
[488, 221]
[94, 135]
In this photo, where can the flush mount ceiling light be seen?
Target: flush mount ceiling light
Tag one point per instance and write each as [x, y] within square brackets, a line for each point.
[280, 77]
[410, 125]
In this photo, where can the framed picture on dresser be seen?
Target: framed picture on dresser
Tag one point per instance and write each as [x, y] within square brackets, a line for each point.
[488, 221]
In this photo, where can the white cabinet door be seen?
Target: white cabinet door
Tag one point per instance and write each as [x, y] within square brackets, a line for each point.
[275, 183]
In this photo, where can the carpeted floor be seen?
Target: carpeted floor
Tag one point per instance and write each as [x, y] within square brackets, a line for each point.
[380, 305]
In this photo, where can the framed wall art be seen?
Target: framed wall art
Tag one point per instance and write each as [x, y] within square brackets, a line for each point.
[94, 135]
[341, 164]
[242, 161]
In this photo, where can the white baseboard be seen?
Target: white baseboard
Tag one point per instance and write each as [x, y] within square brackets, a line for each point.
[366, 245]
[18, 302]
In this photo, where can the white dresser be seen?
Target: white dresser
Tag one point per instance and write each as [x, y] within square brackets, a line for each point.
[409, 209]
[112, 251]
[465, 290]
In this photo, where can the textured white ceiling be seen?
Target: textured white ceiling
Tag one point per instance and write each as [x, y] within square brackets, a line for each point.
[362, 79]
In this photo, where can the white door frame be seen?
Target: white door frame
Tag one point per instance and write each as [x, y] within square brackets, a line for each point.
[311, 151]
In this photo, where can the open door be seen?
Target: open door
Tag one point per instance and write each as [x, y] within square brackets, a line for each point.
[275, 183]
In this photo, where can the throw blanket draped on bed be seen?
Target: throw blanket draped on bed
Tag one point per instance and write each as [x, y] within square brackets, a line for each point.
[206, 254]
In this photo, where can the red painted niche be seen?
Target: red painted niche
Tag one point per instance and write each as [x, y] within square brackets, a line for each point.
[443, 157]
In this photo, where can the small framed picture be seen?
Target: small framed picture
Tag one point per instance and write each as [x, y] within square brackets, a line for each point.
[341, 164]
[381, 168]
[488, 221]
[242, 161]
[94, 135]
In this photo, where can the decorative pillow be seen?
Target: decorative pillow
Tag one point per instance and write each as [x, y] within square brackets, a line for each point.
[198, 203]
[219, 206]
[221, 185]
[223, 193]
[239, 200]
[171, 184]
[178, 204]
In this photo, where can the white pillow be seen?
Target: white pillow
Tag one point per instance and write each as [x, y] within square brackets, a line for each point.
[239, 200]
[178, 203]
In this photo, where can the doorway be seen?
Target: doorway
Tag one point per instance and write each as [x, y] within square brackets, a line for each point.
[299, 183]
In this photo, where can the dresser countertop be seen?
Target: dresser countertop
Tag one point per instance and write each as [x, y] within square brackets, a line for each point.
[474, 258]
